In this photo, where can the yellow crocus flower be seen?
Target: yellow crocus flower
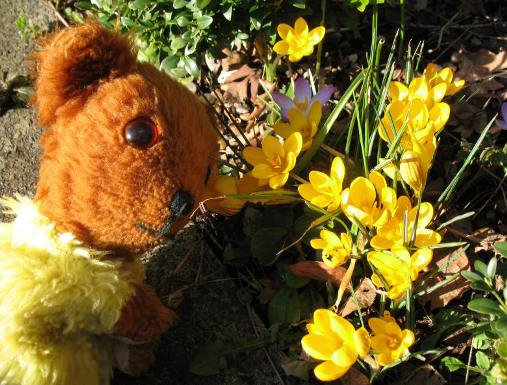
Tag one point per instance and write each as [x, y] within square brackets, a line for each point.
[305, 124]
[368, 199]
[389, 342]
[274, 161]
[334, 340]
[335, 250]
[325, 191]
[444, 76]
[298, 41]
[398, 268]
[391, 231]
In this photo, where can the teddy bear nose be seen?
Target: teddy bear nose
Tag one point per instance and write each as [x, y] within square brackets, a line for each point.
[181, 204]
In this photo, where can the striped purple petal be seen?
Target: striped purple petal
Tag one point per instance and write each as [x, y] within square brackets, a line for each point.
[502, 124]
[284, 102]
[324, 94]
[302, 90]
[504, 111]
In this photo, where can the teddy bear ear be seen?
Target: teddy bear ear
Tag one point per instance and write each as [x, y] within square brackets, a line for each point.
[73, 61]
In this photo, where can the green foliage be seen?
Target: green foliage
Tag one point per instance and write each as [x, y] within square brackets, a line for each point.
[27, 28]
[173, 34]
[15, 90]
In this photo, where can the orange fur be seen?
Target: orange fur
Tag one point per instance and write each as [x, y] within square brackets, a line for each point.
[91, 182]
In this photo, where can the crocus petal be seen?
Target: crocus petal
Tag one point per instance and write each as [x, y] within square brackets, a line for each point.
[324, 94]
[502, 124]
[272, 147]
[337, 170]
[307, 191]
[301, 27]
[319, 347]
[328, 371]
[290, 162]
[439, 115]
[226, 185]
[362, 192]
[277, 181]
[319, 180]
[427, 237]
[283, 129]
[297, 119]
[438, 92]
[397, 91]
[362, 342]
[378, 181]
[504, 111]
[316, 35]
[331, 238]
[295, 57]
[408, 338]
[446, 74]
[318, 244]
[421, 258]
[315, 113]
[455, 87]
[377, 327]
[281, 47]
[254, 155]
[418, 89]
[385, 358]
[346, 355]
[284, 102]
[263, 171]
[425, 214]
[293, 144]
[302, 91]
[283, 29]
[411, 172]
[392, 329]
[381, 243]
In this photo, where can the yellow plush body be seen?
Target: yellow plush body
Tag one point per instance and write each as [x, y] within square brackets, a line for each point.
[58, 299]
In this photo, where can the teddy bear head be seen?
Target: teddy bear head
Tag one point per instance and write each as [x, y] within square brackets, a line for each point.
[127, 150]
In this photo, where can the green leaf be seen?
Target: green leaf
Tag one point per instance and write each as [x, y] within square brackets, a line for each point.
[501, 247]
[482, 360]
[501, 349]
[204, 21]
[83, 5]
[301, 4]
[481, 341]
[252, 220]
[284, 307]
[266, 242]
[485, 306]
[178, 43]
[491, 269]
[278, 216]
[500, 326]
[182, 21]
[177, 4]
[202, 3]
[481, 267]
[228, 14]
[191, 66]
[310, 300]
[471, 276]
[139, 4]
[453, 364]
[169, 63]
[206, 362]
[480, 285]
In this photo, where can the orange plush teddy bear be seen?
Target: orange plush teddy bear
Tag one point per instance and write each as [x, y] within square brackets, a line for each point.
[127, 154]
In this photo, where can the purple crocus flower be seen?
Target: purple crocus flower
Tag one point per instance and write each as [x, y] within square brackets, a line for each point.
[502, 122]
[303, 98]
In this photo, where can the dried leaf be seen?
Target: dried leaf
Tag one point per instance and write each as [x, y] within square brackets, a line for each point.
[297, 368]
[478, 66]
[245, 79]
[267, 292]
[486, 237]
[451, 263]
[423, 375]
[232, 60]
[365, 295]
[318, 270]
[354, 377]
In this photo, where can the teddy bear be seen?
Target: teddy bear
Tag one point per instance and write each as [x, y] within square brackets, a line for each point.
[127, 157]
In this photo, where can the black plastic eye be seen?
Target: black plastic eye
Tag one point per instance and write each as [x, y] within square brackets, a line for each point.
[141, 133]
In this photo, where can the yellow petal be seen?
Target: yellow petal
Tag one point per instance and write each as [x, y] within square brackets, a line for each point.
[455, 87]
[431, 71]
[307, 191]
[439, 115]
[401, 253]
[319, 180]
[316, 35]
[362, 192]
[346, 355]
[421, 258]
[293, 144]
[315, 113]
[327, 320]
[288, 163]
[419, 115]
[380, 243]
[278, 181]
[328, 371]
[318, 346]
[438, 92]
[322, 200]
[263, 171]
[226, 185]
[301, 28]
[446, 74]
[378, 181]
[408, 338]
[254, 155]
[337, 170]
[386, 358]
[295, 57]
[318, 244]
[379, 342]
[397, 91]
[418, 89]
[388, 198]
[283, 129]
[297, 119]
[283, 29]
[389, 169]
[346, 241]
[377, 327]
[281, 47]
[392, 329]
[331, 238]
[425, 214]
[427, 237]
[411, 172]
[362, 342]
[272, 147]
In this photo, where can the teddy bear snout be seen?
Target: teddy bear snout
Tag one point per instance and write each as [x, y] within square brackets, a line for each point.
[181, 204]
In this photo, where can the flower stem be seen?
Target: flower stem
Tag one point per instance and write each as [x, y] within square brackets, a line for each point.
[297, 178]
[410, 308]
[402, 26]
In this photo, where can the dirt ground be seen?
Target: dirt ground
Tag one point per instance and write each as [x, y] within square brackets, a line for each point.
[210, 308]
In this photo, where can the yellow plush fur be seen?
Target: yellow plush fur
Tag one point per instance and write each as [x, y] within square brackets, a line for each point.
[55, 295]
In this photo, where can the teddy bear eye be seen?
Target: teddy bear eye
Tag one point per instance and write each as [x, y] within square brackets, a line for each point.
[141, 133]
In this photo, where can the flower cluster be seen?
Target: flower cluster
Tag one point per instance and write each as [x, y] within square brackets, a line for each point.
[414, 116]
[333, 340]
